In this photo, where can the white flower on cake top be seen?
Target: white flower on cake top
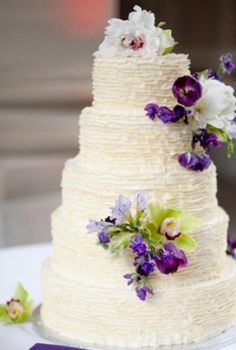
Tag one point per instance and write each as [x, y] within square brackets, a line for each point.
[137, 36]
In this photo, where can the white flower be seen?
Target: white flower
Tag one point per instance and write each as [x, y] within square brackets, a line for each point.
[136, 36]
[217, 105]
[231, 129]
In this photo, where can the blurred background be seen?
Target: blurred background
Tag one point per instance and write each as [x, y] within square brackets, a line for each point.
[45, 81]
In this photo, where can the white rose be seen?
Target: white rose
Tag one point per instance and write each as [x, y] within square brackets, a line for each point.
[216, 106]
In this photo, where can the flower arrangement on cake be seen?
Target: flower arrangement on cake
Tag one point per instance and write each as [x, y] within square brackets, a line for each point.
[157, 237]
[209, 106]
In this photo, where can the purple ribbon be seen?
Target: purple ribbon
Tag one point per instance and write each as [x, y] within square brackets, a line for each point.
[52, 347]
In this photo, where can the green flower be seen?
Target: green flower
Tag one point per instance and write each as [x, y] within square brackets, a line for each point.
[18, 309]
[171, 224]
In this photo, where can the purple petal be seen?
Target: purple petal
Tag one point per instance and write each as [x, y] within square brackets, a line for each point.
[193, 161]
[103, 238]
[121, 209]
[152, 110]
[187, 90]
[141, 198]
[227, 63]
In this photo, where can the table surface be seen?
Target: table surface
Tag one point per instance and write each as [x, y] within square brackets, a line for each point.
[23, 264]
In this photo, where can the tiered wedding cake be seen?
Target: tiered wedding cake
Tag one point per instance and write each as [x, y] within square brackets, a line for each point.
[122, 151]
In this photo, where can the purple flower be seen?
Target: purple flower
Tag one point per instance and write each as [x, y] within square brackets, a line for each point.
[193, 161]
[231, 247]
[180, 112]
[138, 246]
[121, 209]
[96, 226]
[145, 268]
[211, 74]
[206, 139]
[142, 292]
[130, 278]
[141, 198]
[170, 259]
[166, 115]
[152, 110]
[103, 237]
[187, 90]
[227, 63]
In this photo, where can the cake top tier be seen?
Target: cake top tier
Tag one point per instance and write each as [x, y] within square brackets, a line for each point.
[136, 36]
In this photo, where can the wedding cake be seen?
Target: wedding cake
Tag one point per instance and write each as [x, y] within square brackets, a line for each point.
[145, 140]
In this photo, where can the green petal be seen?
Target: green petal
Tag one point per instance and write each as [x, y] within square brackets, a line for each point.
[173, 213]
[156, 214]
[154, 236]
[189, 224]
[186, 243]
[21, 294]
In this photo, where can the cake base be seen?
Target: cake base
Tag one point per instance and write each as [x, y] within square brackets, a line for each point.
[221, 341]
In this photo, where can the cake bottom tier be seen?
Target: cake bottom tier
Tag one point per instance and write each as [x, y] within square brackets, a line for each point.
[92, 314]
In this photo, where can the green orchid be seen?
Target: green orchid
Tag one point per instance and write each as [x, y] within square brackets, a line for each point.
[168, 222]
[18, 309]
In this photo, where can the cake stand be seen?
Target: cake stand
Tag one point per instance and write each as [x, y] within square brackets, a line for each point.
[223, 341]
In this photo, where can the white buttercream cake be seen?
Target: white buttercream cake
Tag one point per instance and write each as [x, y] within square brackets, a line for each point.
[122, 151]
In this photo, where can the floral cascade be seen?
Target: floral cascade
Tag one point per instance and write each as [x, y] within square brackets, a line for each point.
[18, 309]
[157, 237]
[136, 36]
[208, 106]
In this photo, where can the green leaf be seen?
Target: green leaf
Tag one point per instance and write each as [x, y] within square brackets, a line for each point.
[186, 243]
[161, 24]
[189, 224]
[223, 136]
[120, 243]
[168, 50]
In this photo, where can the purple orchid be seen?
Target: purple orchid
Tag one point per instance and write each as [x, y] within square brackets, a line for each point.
[187, 90]
[206, 139]
[138, 246]
[231, 247]
[227, 63]
[193, 161]
[121, 210]
[170, 259]
[142, 292]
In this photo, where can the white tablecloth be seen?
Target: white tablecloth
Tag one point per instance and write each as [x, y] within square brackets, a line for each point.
[23, 264]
